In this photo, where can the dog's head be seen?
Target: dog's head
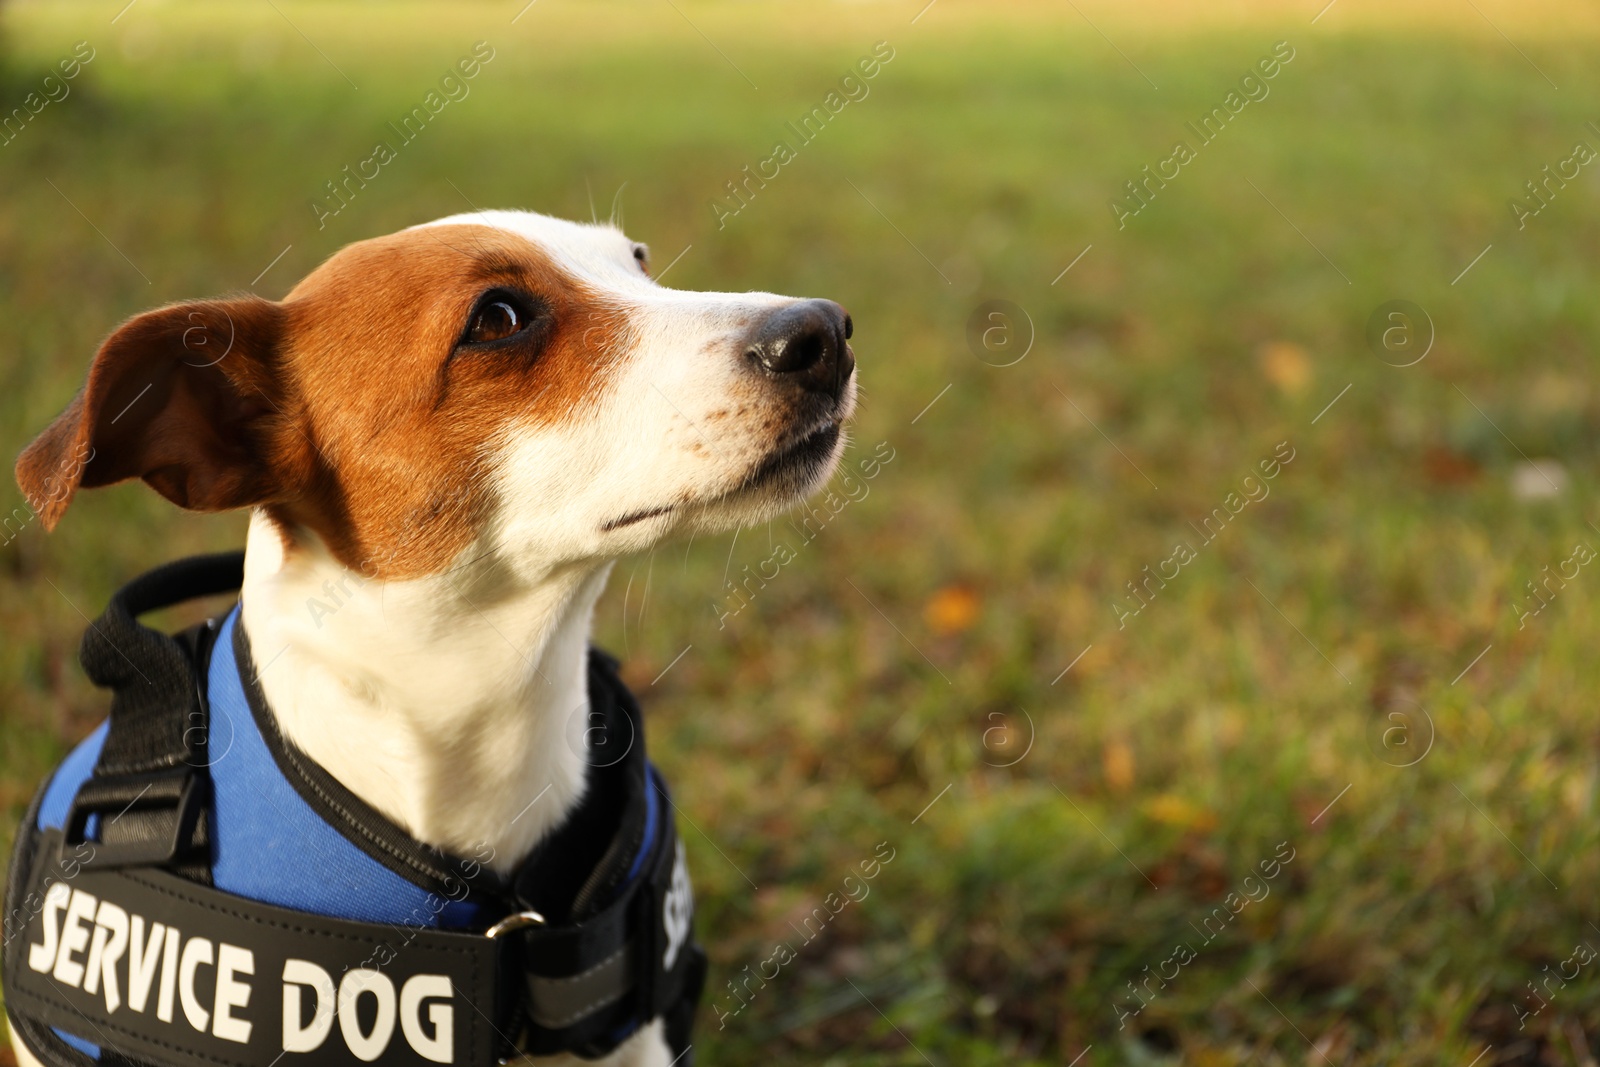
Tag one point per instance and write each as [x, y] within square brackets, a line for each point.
[501, 379]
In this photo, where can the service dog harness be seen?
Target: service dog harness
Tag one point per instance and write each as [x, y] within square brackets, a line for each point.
[191, 889]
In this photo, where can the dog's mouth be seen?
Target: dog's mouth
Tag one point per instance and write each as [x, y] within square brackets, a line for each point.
[792, 467]
[798, 462]
[636, 517]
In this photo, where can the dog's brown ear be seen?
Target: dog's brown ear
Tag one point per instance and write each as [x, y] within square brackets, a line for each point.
[184, 397]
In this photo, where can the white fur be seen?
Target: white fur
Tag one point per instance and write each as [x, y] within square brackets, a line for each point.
[455, 704]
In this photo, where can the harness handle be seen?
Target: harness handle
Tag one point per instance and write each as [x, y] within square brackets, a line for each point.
[146, 802]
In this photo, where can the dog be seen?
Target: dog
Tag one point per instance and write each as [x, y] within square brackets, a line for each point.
[445, 437]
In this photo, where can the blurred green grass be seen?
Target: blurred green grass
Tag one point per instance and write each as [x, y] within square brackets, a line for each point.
[889, 660]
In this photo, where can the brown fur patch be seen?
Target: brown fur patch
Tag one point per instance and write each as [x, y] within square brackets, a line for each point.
[399, 432]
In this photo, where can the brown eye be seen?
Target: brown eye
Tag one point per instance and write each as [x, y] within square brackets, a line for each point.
[494, 322]
[641, 255]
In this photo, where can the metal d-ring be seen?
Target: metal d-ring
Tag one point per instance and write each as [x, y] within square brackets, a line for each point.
[516, 921]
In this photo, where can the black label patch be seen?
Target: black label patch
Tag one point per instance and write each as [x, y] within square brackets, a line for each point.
[159, 968]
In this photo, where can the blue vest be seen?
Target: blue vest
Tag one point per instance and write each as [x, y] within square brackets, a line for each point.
[270, 845]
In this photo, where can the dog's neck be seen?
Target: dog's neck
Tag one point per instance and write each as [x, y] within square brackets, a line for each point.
[456, 705]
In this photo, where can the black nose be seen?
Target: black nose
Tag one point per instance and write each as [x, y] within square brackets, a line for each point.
[805, 343]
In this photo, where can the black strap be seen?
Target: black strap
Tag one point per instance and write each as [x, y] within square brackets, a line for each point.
[631, 961]
[149, 790]
[612, 949]
[225, 981]
[153, 967]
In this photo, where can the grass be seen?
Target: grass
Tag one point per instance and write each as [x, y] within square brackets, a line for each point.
[1366, 610]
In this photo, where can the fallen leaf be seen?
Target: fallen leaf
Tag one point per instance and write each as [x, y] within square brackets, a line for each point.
[1117, 764]
[1441, 466]
[1287, 366]
[1173, 810]
[951, 610]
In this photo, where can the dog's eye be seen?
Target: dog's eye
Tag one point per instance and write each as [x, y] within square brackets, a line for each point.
[641, 255]
[494, 322]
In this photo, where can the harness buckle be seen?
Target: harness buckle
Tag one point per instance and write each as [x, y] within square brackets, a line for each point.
[516, 921]
[145, 819]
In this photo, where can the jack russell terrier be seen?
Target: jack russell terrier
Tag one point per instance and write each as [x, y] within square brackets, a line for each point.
[395, 805]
